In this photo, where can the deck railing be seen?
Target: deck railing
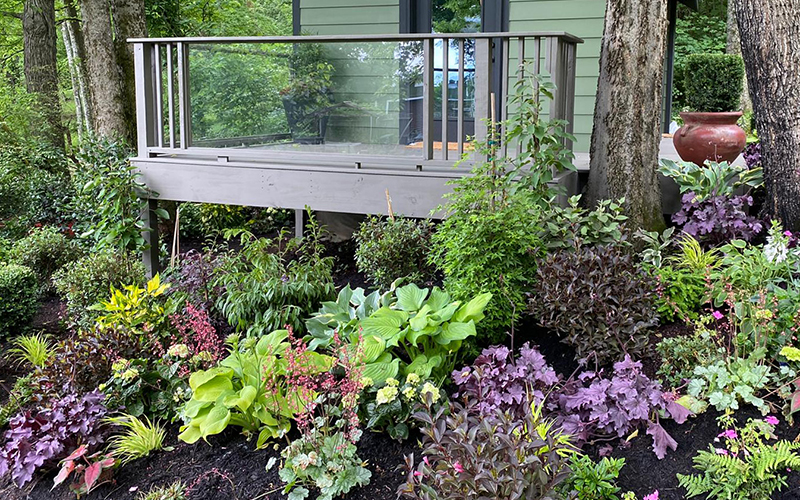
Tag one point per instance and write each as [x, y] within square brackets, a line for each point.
[219, 98]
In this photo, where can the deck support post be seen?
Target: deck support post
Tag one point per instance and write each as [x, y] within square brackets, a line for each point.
[150, 234]
[299, 223]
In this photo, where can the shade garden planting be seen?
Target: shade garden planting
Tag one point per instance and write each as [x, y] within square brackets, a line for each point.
[532, 351]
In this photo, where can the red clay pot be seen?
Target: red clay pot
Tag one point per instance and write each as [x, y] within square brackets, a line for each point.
[710, 136]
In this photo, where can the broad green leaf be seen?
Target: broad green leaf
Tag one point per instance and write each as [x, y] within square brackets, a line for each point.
[243, 399]
[411, 297]
[190, 434]
[385, 367]
[199, 378]
[438, 299]
[455, 331]
[215, 422]
[213, 389]
[420, 320]
[473, 310]
[385, 323]
[373, 347]
[423, 366]
[271, 343]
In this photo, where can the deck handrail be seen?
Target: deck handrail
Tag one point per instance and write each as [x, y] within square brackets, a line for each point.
[393, 37]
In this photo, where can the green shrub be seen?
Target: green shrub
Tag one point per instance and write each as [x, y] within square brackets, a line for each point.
[591, 480]
[394, 248]
[89, 280]
[679, 356]
[19, 297]
[597, 299]
[45, 250]
[681, 293]
[266, 290]
[714, 82]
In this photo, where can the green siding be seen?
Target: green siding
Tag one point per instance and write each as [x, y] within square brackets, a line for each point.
[583, 18]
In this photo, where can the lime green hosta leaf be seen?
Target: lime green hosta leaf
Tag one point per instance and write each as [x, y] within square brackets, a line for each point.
[213, 388]
[430, 331]
[272, 343]
[199, 378]
[373, 347]
[455, 331]
[385, 367]
[193, 407]
[411, 297]
[190, 434]
[215, 422]
[420, 320]
[444, 314]
[438, 299]
[242, 399]
[423, 366]
[473, 310]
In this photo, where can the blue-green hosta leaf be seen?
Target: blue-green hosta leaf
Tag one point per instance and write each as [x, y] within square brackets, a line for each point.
[385, 367]
[438, 299]
[374, 347]
[385, 323]
[411, 297]
[444, 314]
[455, 331]
[216, 421]
[473, 310]
[423, 366]
[420, 320]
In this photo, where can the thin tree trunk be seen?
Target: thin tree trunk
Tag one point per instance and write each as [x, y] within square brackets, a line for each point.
[80, 122]
[41, 73]
[78, 52]
[106, 79]
[734, 46]
[769, 30]
[626, 133]
[129, 22]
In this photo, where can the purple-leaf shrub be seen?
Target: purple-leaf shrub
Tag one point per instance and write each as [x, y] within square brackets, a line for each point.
[752, 155]
[717, 220]
[593, 406]
[497, 381]
[35, 440]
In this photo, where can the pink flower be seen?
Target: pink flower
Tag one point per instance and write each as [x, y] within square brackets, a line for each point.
[772, 420]
[457, 467]
[718, 315]
[651, 496]
[788, 234]
[729, 434]
[721, 451]
[417, 473]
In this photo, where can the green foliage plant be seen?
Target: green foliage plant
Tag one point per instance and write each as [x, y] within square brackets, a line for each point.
[20, 395]
[392, 248]
[712, 179]
[598, 299]
[137, 309]
[248, 389]
[45, 250]
[490, 240]
[139, 438]
[726, 383]
[175, 491]
[266, 290]
[745, 467]
[88, 281]
[415, 330]
[713, 82]
[564, 227]
[591, 480]
[19, 298]
[34, 349]
[697, 32]
[389, 407]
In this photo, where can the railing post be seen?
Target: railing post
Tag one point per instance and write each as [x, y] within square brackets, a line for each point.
[553, 68]
[145, 109]
[483, 87]
[569, 88]
[427, 99]
[184, 99]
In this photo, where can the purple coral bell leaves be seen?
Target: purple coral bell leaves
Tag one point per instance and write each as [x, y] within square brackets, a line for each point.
[616, 406]
[33, 441]
[717, 219]
[497, 381]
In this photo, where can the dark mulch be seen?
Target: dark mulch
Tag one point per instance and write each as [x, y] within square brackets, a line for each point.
[229, 468]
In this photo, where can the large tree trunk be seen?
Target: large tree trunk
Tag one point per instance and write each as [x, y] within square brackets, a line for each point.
[769, 30]
[107, 89]
[734, 46]
[129, 22]
[626, 133]
[41, 73]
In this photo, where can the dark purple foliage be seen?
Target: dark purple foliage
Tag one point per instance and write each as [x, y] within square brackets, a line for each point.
[717, 219]
[507, 382]
[752, 155]
[33, 441]
[195, 280]
[592, 406]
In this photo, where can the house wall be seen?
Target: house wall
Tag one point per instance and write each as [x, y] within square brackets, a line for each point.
[372, 86]
[582, 18]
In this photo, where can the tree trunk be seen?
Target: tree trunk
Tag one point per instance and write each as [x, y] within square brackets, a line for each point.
[769, 30]
[76, 58]
[106, 79]
[734, 46]
[129, 22]
[626, 133]
[41, 73]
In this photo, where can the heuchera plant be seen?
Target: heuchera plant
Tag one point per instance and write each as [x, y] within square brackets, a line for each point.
[717, 219]
[498, 381]
[35, 440]
[593, 406]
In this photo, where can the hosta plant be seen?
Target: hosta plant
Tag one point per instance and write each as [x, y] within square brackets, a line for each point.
[712, 179]
[425, 327]
[344, 316]
[250, 388]
[38, 439]
[465, 455]
[597, 299]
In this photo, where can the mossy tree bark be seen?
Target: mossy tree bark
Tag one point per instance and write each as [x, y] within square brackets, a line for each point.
[41, 72]
[626, 133]
[769, 30]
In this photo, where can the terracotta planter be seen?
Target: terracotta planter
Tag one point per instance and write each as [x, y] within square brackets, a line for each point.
[710, 136]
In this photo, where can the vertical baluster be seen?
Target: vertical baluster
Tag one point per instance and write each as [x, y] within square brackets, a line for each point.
[460, 97]
[445, 79]
[504, 96]
[159, 111]
[184, 101]
[552, 67]
[427, 99]
[520, 77]
[483, 86]
[569, 89]
[537, 64]
[171, 95]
